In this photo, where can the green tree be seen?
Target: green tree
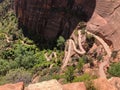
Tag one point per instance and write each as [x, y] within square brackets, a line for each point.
[60, 42]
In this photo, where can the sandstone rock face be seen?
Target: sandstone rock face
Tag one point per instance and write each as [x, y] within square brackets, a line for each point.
[105, 21]
[17, 86]
[55, 85]
[115, 81]
[51, 18]
[46, 85]
[103, 84]
[74, 86]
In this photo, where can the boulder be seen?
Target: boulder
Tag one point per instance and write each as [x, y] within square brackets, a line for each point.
[115, 81]
[74, 86]
[17, 86]
[103, 84]
[45, 85]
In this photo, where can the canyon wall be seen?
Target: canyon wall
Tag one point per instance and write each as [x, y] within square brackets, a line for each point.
[106, 21]
[51, 18]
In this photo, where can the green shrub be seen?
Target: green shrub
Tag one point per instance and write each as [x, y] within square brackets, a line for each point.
[18, 75]
[114, 69]
[23, 56]
[100, 57]
[3, 80]
[114, 54]
[90, 40]
[85, 58]
[7, 54]
[57, 76]
[89, 85]
[69, 74]
[46, 78]
[13, 64]
[60, 42]
[82, 78]
[4, 67]
[80, 64]
[54, 70]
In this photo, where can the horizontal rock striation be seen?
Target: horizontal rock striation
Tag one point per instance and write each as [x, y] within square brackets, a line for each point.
[51, 18]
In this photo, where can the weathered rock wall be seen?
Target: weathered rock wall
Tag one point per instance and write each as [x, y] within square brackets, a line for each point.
[106, 21]
[51, 18]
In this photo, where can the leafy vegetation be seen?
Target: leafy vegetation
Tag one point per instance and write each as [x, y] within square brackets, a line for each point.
[89, 85]
[19, 56]
[18, 75]
[114, 70]
[60, 42]
[80, 64]
[82, 78]
[69, 74]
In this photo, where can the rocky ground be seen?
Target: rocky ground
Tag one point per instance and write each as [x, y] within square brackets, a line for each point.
[98, 84]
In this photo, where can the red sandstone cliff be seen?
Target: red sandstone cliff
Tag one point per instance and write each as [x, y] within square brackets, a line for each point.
[50, 18]
[106, 21]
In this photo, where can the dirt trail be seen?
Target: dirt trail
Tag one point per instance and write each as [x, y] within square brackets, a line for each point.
[105, 63]
[72, 46]
[102, 66]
